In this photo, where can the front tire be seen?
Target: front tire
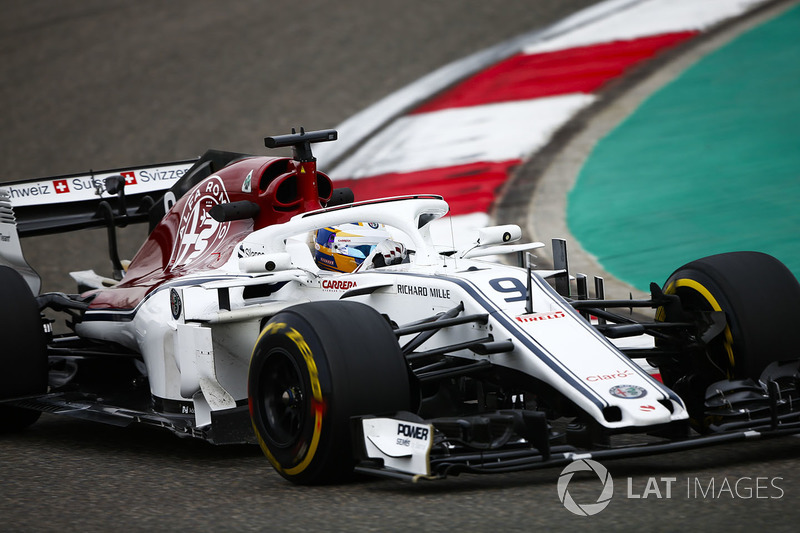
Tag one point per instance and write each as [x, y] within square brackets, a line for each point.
[23, 356]
[314, 367]
[760, 298]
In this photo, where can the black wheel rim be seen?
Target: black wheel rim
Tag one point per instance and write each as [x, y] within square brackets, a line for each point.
[716, 364]
[284, 400]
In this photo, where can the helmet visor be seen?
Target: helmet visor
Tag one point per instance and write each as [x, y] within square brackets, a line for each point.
[361, 251]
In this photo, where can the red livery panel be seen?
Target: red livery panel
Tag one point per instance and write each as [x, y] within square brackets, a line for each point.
[189, 240]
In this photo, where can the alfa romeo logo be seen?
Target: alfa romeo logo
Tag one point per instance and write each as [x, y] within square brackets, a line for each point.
[630, 392]
[585, 509]
[175, 304]
[199, 235]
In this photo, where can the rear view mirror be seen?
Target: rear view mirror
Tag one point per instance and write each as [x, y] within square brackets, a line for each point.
[499, 234]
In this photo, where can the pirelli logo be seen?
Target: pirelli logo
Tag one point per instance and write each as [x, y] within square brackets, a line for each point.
[538, 317]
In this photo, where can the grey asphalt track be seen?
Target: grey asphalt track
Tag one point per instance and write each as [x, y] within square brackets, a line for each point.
[103, 83]
[97, 84]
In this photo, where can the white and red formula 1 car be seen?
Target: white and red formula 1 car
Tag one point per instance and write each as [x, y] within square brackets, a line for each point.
[418, 363]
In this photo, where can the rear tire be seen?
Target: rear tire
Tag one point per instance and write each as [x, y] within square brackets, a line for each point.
[314, 367]
[23, 357]
[760, 298]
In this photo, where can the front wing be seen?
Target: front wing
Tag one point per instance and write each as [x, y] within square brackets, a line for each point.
[413, 451]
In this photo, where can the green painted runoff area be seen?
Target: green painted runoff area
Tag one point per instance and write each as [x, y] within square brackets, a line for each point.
[708, 164]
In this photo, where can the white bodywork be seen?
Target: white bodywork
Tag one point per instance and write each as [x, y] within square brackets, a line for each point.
[10, 248]
[200, 353]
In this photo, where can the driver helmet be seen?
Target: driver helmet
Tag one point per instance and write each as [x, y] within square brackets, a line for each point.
[343, 248]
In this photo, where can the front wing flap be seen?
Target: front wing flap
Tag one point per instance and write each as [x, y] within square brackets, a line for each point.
[397, 448]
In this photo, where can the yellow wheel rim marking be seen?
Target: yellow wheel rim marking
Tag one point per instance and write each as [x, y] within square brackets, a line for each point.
[705, 293]
[316, 390]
